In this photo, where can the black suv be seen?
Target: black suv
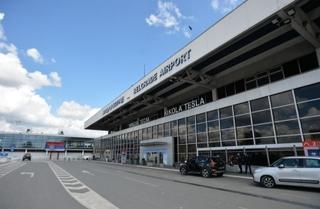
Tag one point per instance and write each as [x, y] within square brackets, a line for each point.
[26, 156]
[206, 166]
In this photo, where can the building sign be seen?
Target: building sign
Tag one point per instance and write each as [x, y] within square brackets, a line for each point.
[175, 63]
[163, 71]
[139, 121]
[113, 105]
[183, 107]
[311, 148]
[55, 146]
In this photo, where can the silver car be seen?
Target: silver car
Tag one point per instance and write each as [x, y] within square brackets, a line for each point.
[293, 171]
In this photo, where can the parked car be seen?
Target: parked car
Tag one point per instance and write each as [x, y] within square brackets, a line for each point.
[26, 156]
[86, 157]
[293, 171]
[206, 166]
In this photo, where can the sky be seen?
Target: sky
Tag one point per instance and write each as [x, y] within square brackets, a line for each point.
[60, 61]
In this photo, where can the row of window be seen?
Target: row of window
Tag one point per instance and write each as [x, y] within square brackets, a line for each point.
[294, 67]
[280, 118]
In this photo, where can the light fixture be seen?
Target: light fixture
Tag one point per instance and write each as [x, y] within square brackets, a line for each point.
[291, 12]
[287, 21]
[276, 21]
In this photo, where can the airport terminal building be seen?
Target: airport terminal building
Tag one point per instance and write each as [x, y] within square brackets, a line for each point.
[250, 83]
[45, 146]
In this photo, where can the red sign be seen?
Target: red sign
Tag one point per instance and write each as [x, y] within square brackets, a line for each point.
[55, 146]
[311, 143]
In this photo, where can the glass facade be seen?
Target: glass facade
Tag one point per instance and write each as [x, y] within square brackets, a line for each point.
[287, 117]
[38, 142]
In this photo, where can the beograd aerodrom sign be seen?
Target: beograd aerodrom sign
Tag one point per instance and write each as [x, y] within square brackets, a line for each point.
[154, 77]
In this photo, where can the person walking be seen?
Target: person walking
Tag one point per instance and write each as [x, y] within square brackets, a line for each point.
[239, 161]
[247, 159]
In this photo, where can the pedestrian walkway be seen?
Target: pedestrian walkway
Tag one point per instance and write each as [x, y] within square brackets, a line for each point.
[227, 174]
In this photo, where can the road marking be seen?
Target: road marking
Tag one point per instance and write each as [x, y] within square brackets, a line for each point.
[28, 173]
[9, 167]
[142, 182]
[87, 172]
[82, 193]
[239, 177]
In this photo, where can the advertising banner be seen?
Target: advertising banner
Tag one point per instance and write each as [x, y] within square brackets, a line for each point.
[311, 148]
[55, 146]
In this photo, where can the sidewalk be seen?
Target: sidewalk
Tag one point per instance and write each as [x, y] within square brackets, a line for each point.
[228, 173]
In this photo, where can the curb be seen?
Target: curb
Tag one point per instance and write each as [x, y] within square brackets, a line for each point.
[169, 169]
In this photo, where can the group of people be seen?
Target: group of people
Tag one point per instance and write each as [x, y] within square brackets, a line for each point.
[241, 159]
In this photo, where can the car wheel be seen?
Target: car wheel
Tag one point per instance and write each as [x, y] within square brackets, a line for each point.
[267, 181]
[205, 173]
[183, 170]
[219, 174]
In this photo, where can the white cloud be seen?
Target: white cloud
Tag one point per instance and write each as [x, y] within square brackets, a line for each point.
[72, 109]
[22, 107]
[225, 6]
[35, 55]
[168, 16]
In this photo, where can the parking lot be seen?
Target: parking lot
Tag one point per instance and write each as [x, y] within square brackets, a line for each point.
[90, 184]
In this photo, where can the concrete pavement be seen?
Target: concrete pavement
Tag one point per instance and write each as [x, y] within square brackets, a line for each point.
[127, 187]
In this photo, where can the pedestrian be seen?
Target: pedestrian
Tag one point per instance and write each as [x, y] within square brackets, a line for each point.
[239, 161]
[247, 159]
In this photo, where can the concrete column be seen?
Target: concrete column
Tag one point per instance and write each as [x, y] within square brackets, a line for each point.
[214, 95]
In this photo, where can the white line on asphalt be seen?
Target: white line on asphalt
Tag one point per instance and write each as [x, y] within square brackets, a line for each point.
[87, 172]
[142, 182]
[239, 177]
[5, 170]
[28, 173]
[88, 198]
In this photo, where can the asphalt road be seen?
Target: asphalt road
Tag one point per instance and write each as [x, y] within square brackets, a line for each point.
[98, 185]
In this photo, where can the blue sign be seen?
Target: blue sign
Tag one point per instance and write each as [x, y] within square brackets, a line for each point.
[314, 152]
[3, 154]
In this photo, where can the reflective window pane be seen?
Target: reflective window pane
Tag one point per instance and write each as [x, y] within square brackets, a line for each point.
[282, 99]
[243, 133]
[191, 129]
[308, 92]
[212, 115]
[260, 104]
[202, 137]
[241, 108]
[191, 138]
[289, 139]
[268, 140]
[263, 130]
[245, 142]
[310, 125]
[261, 117]
[226, 112]
[201, 118]
[243, 120]
[284, 113]
[213, 126]
[309, 108]
[226, 123]
[201, 127]
[214, 136]
[227, 135]
[191, 120]
[287, 127]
